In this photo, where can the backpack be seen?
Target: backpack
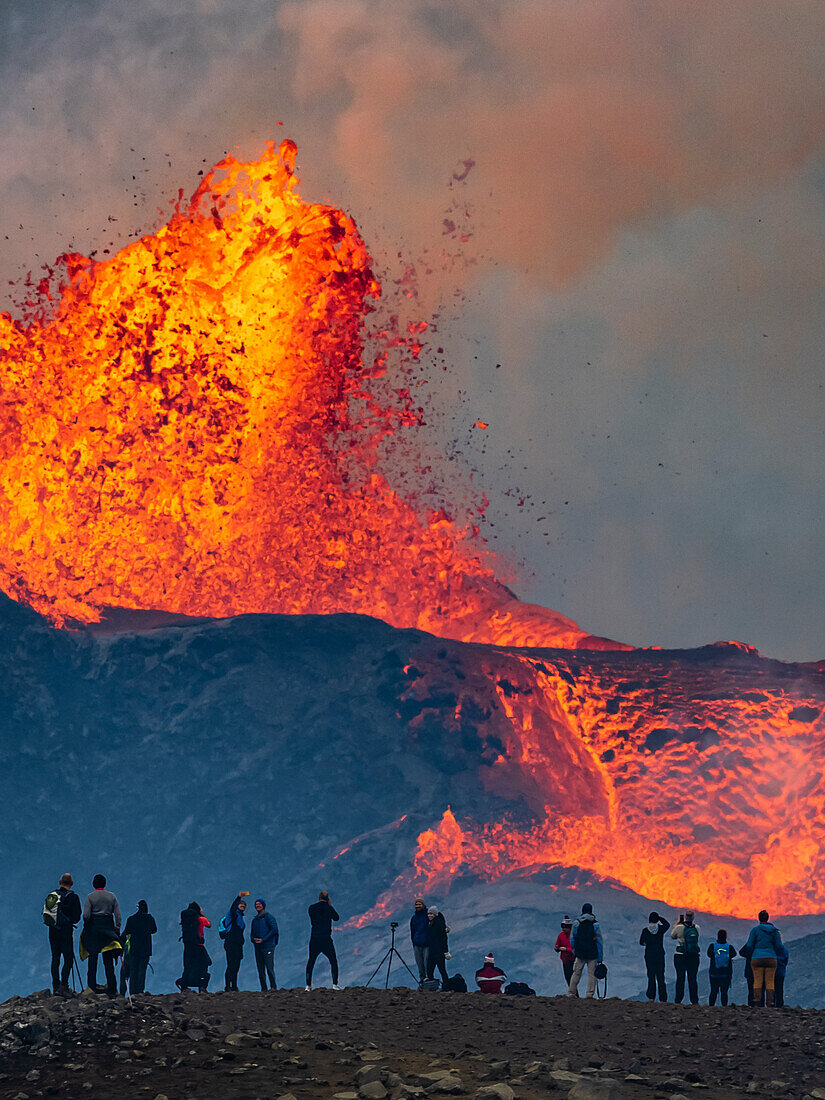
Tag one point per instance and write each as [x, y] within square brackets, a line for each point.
[586, 940]
[225, 924]
[50, 909]
[721, 956]
[691, 939]
[519, 989]
[190, 926]
[600, 974]
[456, 984]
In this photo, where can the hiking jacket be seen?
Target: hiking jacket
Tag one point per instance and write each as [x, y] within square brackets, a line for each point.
[321, 916]
[235, 923]
[140, 928]
[490, 979]
[585, 952]
[563, 947]
[264, 928]
[715, 971]
[654, 941]
[418, 929]
[678, 934]
[437, 935]
[101, 904]
[68, 909]
[765, 942]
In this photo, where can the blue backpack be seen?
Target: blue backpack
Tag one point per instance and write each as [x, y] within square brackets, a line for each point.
[721, 956]
[225, 924]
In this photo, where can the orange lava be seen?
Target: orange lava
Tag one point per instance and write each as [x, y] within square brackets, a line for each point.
[192, 428]
[696, 777]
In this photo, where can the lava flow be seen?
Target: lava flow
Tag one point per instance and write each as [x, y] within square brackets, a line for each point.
[192, 428]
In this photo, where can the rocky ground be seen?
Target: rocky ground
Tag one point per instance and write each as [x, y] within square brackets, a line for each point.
[401, 1045]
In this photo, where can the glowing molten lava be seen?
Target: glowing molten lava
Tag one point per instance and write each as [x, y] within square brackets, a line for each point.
[694, 777]
[192, 429]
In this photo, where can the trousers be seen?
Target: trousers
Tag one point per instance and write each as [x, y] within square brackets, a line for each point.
[265, 962]
[720, 985]
[322, 945]
[234, 955]
[567, 970]
[764, 972]
[656, 977]
[420, 952]
[578, 968]
[61, 942]
[436, 960]
[687, 966]
[108, 968]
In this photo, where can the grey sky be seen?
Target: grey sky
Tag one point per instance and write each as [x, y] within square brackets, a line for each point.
[646, 262]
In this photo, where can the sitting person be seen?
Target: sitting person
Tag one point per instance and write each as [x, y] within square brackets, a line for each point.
[490, 978]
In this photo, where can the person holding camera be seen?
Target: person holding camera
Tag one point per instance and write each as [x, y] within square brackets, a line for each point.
[321, 916]
[419, 923]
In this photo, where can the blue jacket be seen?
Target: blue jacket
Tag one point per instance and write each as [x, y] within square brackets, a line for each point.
[765, 942]
[418, 928]
[265, 929]
[597, 932]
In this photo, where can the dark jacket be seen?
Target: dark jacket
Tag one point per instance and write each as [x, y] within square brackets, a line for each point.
[418, 929]
[264, 928]
[321, 916]
[782, 962]
[140, 928]
[235, 924]
[437, 935]
[654, 942]
[69, 910]
[715, 971]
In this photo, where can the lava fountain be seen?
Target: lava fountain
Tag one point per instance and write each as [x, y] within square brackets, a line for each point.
[192, 427]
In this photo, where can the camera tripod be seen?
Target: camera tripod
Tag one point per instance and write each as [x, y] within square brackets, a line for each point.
[391, 951]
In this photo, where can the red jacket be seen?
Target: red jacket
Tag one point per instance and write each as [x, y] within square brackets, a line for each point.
[563, 947]
[490, 979]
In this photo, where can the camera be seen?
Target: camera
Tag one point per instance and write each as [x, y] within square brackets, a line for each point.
[393, 924]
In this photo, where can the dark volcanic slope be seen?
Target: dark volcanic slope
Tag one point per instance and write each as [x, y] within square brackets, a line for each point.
[317, 1045]
[281, 754]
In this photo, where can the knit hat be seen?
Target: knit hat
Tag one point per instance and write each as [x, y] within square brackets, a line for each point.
[261, 900]
[433, 911]
[420, 901]
[567, 922]
[490, 958]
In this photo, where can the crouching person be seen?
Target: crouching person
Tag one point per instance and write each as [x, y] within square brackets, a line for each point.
[586, 944]
[490, 979]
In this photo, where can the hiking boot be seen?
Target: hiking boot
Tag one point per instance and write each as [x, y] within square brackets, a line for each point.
[308, 989]
[337, 988]
[183, 988]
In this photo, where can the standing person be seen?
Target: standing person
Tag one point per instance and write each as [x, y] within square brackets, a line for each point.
[101, 933]
[779, 980]
[587, 947]
[61, 917]
[766, 944]
[746, 952]
[321, 916]
[490, 978]
[196, 960]
[233, 930]
[686, 957]
[138, 930]
[720, 972]
[652, 940]
[564, 951]
[264, 935]
[418, 937]
[437, 946]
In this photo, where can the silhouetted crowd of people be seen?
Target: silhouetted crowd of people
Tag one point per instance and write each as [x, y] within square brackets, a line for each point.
[579, 944]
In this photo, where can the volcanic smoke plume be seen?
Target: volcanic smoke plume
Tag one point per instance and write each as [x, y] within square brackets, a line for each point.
[194, 426]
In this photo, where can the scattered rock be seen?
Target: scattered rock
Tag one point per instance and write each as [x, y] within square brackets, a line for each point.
[595, 1088]
[367, 1074]
[372, 1090]
[499, 1091]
